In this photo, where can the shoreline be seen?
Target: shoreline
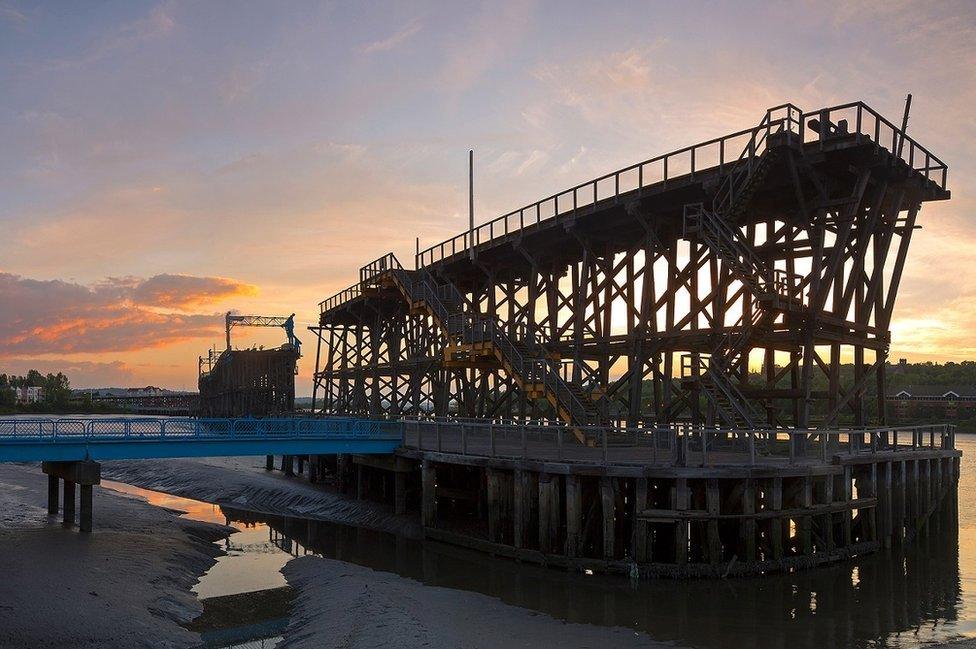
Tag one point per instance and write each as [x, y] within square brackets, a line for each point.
[126, 585]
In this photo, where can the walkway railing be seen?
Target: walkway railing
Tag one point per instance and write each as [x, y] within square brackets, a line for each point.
[721, 154]
[188, 429]
[680, 445]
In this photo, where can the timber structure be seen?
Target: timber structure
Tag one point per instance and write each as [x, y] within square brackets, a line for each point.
[645, 370]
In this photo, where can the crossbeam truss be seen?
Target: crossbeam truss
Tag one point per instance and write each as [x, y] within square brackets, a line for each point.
[728, 296]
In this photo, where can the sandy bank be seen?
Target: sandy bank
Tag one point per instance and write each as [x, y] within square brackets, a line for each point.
[126, 585]
[348, 606]
[244, 483]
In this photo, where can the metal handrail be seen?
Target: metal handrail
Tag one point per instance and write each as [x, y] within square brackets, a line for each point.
[379, 266]
[147, 428]
[918, 157]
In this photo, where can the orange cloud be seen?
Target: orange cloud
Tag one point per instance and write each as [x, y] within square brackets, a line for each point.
[51, 317]
[188, 291]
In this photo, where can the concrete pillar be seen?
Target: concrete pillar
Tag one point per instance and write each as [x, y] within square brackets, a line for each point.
[69, 504]
[428, 478]
[53, 489]
[400, 492]
[86, 508]
[574, 515]
[269, 462]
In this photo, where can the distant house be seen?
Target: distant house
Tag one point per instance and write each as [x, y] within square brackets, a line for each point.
[31, 394]
[953, 400]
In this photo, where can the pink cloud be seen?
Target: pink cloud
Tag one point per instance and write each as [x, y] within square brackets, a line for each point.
[54, 316]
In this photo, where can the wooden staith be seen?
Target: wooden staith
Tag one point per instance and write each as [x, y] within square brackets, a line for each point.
[698, 525]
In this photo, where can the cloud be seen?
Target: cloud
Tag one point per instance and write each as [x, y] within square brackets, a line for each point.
[158, 23]
[119, 314]
[401, 36]
[12, 14]
[188, 291]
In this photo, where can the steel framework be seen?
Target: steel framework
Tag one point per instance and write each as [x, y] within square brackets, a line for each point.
[723, 284]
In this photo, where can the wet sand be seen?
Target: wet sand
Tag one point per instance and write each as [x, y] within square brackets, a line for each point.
[352, 607]
[126, 585]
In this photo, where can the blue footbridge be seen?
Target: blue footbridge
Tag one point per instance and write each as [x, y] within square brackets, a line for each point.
[71, 449]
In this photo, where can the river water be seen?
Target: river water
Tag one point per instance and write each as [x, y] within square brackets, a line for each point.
[924, 594]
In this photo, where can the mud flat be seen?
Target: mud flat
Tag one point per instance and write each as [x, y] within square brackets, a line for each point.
[126, 585]
[344, 605]
[243, 483]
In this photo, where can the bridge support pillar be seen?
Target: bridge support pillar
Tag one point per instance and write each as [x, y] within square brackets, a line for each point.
[85, 520]
[69, 504]
[53, 494]
[269, 462]
[83, 473]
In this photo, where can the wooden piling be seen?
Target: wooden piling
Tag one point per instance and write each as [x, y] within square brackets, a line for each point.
[574, 516]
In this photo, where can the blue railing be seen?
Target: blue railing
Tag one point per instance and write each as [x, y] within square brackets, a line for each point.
[188, 429]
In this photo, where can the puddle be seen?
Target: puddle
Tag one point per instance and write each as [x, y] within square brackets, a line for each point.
[246, 600]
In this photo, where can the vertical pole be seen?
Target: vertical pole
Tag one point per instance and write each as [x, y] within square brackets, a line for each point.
[608, 502]
[428, 476]
[492, 480]
[400, 492]
[53, 488]
[269, 462]
[471, 204]
[682, 501]
[69, 504]
[574, 508]
[522, 506]
[86, 509]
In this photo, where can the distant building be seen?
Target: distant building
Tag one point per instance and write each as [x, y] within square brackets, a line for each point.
[30, 394]
[952, 401]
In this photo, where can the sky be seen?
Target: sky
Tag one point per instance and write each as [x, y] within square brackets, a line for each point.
[164, 162]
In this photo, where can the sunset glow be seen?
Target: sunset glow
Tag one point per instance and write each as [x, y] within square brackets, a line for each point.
[166, 162]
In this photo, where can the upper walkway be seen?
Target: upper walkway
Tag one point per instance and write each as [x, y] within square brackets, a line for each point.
[66, 440]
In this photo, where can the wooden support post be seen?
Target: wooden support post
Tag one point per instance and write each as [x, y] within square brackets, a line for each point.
[313, 468]
[871, 489]
[608, 506]
[777, 527]
[522, 508]
[269, 462]
[804, 527]
[681, 501]
[548, 512]
[428, 479]
[68, 505]
[828, 519]
[85, 522]
[574, 516]
[640, 543]
[713, 504]
[898, 518]
[288, 465]
[301, 465]
[493, 496]
[884, 502]
[748, 527]
[53, 488]
[400, 492]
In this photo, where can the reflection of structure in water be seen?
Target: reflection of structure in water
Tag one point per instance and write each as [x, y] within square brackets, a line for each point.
[850, 605]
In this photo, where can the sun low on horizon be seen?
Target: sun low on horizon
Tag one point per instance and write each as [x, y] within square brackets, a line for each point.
[167, 162]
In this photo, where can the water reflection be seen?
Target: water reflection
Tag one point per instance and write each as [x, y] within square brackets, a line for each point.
[901, 598]
[924, 594]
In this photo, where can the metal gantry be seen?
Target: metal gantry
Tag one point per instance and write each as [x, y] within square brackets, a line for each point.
[721, 285]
